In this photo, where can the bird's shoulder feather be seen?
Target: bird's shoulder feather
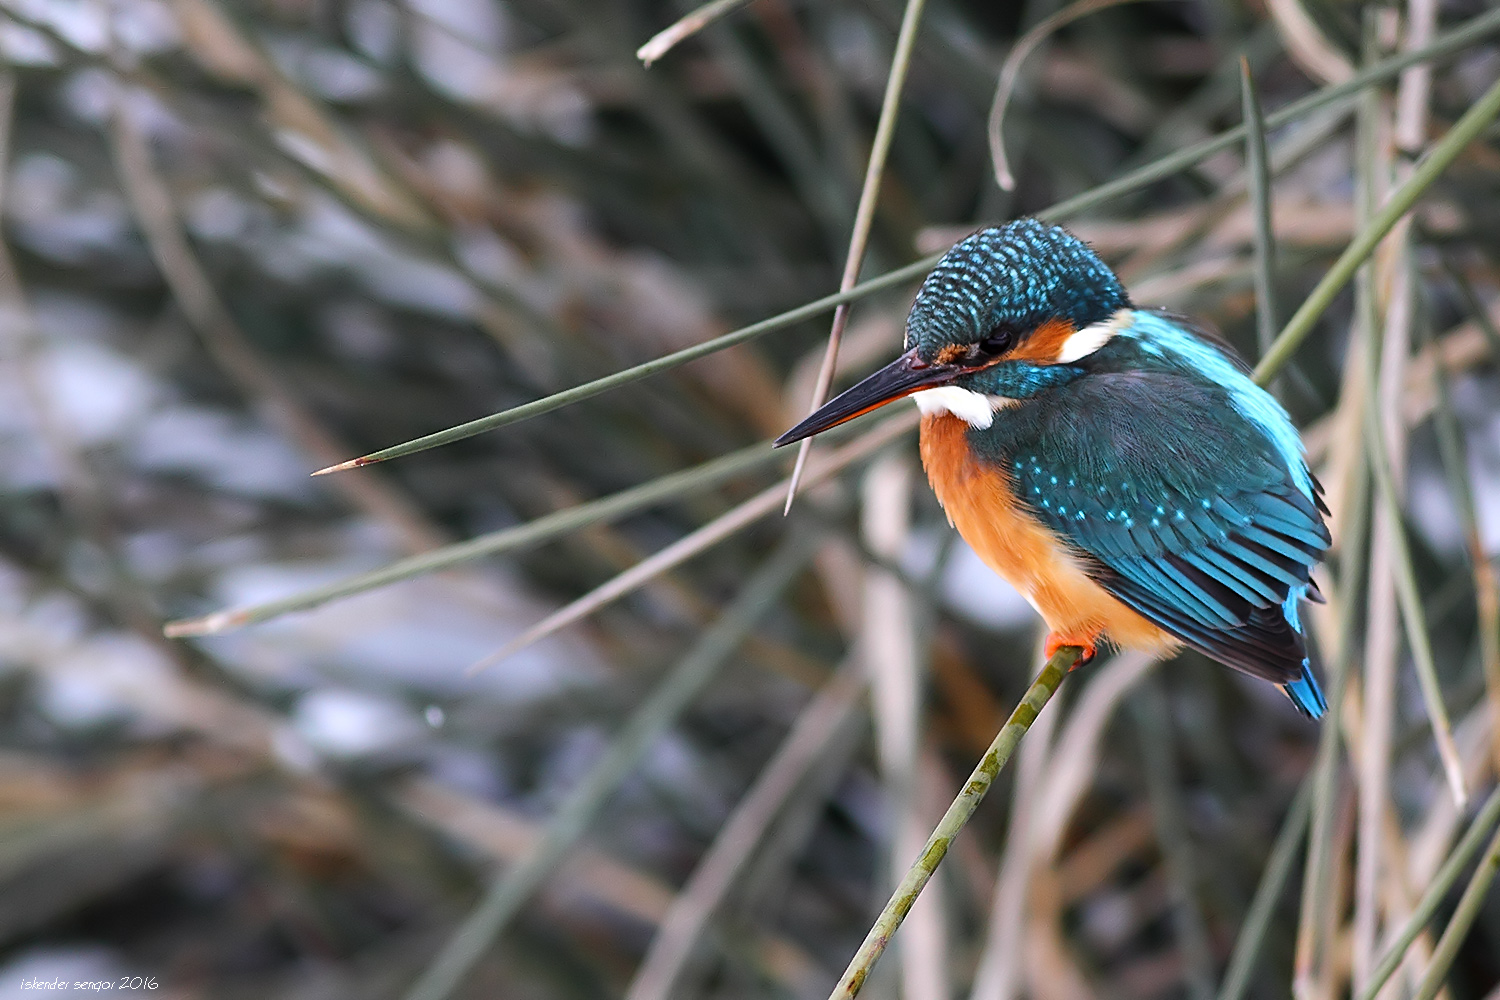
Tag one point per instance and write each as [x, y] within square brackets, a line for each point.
[1182, 508]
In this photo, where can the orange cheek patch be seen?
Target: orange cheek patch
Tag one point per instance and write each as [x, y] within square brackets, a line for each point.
[950, 354]
[1044, 344]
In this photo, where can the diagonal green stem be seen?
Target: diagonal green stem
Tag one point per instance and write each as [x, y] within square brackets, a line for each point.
[672, 486]
[953, 821]
[1446, 45]
[514, 886]
[1444, 880]
[544, 529]
[1464, 916]
[1453, 41]
[1401, 201]
[666, 362]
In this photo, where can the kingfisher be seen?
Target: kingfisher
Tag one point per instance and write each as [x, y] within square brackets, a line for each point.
[1116, 464]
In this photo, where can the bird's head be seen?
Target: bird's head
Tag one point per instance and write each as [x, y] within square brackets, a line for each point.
[1026, 293]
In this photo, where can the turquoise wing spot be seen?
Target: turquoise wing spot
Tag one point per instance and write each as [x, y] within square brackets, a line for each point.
[1200, 520]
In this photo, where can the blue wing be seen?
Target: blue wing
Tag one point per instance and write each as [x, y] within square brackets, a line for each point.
[1184, 509]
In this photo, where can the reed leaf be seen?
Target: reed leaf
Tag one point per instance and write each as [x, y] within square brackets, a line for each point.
[1258, 170]
[1454, 41]
[664, 489]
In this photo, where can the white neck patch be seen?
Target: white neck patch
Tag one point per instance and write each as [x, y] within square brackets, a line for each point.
[1091, 338]
[973, 408]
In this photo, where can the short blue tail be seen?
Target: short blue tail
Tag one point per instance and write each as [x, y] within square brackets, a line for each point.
[1306, 694]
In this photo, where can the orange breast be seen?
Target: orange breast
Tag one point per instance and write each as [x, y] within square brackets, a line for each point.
[980, 501]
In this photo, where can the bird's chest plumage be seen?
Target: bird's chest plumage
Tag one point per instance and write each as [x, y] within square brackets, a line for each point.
[979, 497]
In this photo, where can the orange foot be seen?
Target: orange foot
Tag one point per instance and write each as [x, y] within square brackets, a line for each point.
[1056, 642]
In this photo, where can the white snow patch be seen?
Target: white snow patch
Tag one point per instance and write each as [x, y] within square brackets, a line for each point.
[345, 723]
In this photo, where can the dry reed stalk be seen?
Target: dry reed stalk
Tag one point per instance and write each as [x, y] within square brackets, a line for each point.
[864, 218]
[888, 647]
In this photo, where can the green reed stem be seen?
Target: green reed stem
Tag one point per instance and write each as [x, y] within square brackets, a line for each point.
[953, 821]
[1469, 905]
[1427, 906]
[1454, 41]
[1431, 167]
[672, 486]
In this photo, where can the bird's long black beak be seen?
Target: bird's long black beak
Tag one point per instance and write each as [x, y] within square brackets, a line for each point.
[902, 377]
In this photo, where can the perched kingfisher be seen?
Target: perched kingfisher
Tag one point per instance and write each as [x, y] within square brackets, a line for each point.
[1116, 464]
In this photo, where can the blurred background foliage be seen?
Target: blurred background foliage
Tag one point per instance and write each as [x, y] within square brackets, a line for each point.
[244, 239]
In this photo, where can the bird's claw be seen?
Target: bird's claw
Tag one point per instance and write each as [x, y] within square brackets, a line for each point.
[1056, 642]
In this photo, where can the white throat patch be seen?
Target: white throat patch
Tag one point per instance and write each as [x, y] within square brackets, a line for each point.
[973, 408]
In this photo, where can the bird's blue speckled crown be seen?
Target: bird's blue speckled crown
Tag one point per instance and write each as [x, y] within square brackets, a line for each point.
[1019, 275]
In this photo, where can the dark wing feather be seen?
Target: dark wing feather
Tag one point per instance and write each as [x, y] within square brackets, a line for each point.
[1182, 509]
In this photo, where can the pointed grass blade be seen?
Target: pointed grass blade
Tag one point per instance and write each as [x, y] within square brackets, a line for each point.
[666, 362]
[685, 27]
[1454, 41]
[689, 545]
[661, 490]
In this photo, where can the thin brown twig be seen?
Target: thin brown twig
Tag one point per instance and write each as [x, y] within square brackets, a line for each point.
[1010, 72]
[1306, 43]
[690, 24]
[864, 219]
[889, 642]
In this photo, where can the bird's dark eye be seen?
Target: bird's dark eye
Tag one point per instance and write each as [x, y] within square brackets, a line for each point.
[996, 344]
